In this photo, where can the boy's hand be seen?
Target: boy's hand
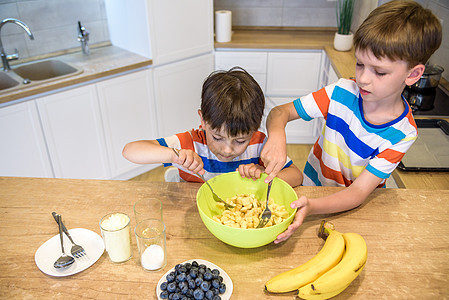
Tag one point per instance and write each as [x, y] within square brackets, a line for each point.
[274, 155]
[190, 160]
[250, 171]
[302, 204]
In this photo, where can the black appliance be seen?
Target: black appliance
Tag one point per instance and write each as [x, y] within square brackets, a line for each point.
[428, 102]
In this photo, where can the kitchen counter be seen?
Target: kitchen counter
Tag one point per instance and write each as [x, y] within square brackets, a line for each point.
[101, 62]
[405, 230]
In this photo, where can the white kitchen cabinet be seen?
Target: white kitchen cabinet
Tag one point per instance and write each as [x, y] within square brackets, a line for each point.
[297, 131]
[177, 88]
[74, 133]
[284, 76]
[333, 77]
[165, 31]
[293, 73]
[128, 113]
[23, 150]
[254, 62]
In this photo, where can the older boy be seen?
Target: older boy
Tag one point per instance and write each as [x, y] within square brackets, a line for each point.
[232, 105]
[369, 125]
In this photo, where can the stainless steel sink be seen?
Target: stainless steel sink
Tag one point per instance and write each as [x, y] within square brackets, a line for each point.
[7, 81]
[46, 69]
[36, 73]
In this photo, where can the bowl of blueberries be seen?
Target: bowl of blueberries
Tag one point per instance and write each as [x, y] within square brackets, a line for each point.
[195, 279]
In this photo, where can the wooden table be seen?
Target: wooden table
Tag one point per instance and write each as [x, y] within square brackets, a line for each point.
[406, 232]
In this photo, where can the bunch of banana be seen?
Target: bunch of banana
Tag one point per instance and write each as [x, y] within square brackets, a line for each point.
[327, 274]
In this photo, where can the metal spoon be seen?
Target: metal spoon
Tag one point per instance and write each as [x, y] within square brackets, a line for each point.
[65, 260]
[215, 196]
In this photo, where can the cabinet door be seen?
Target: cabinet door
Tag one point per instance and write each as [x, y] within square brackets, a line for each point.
[23, 151]
[333, 77]
[293, 73]
[128, 114]
[74, 134]
[297, 131]
[177, 89]
[254, 62]
[180, 29]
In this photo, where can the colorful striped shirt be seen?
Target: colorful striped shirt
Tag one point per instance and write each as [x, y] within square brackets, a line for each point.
[348, 143]
[196, 140]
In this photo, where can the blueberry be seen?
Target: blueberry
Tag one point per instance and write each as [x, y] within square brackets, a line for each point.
[209, 294]
[205, 286]
[189, 293]
[198, 281]
[195, 263]
[215, 290]
[220, 278]
[222, 288]
[164, 285]
[170, 277]
[216, 297]
[201, 270]
[208, 275]
[216, 283]
[216, 272]
[177, 267]
[171, 287]
[188, 266]
[176, 296]
[183, 286]
[198, 294]
[182, 269]
[181, 277]
[202, 266]
[193, 273]
[164, 295]
[191, 283]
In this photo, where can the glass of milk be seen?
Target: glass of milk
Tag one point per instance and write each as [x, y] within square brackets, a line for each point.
[116, 232]
[150, 236]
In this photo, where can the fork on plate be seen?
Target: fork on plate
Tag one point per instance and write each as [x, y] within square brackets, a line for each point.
[77, 250]
[266, 214]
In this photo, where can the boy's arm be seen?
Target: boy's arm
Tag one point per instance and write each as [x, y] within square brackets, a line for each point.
[151, 152]
[148, 152]
[275, 150]
[292, 175]
[346, 199]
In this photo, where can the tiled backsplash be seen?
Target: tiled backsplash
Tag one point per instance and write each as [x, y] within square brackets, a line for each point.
[54, 24]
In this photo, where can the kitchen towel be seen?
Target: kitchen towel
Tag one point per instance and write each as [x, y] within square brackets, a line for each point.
[223, 24]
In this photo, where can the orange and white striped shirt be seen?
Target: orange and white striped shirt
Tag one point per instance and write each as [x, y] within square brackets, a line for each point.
[196, 140]
[348, 143]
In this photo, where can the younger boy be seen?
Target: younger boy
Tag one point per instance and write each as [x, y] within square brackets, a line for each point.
[232, 105]
[369, 125]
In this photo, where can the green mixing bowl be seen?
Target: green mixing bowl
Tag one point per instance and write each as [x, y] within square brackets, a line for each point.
[231, 184]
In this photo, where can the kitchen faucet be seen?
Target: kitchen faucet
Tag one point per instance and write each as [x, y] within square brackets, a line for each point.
[6, 58]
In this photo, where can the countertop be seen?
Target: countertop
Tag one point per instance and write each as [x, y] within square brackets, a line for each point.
[102, 62]
[405, 230]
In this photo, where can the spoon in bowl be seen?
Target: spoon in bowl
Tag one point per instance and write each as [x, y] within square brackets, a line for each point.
[65, 260]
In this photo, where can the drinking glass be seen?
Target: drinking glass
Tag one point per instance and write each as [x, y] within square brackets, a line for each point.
[116, 232]
[148, 208]
[150, 236]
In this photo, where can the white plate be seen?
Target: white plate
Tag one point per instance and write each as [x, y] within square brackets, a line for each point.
[226, 279]
[50, 251]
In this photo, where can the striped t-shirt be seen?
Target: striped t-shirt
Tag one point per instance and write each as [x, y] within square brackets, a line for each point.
[348, 143]
[196, 140]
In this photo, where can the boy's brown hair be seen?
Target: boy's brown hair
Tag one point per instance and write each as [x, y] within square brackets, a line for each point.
[400, 30]
[232, 100]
